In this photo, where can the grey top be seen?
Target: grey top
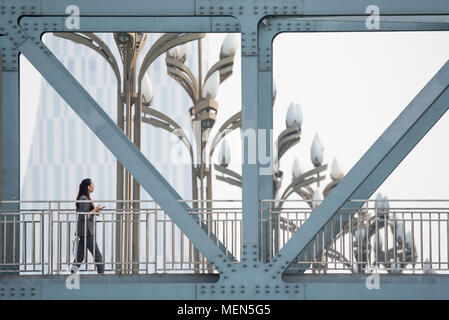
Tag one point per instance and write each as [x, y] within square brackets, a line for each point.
[82, 221]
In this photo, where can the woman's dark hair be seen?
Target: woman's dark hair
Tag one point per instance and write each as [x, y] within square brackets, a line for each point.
[84, 191]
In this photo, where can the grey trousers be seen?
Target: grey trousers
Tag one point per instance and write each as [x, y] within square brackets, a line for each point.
[89, 245]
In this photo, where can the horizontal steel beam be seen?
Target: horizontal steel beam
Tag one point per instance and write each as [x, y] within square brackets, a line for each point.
[191, 7]
[188, 287]
[136, 24]
[118, 7]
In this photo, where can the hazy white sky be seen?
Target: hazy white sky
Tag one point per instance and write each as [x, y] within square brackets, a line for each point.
[351, 86]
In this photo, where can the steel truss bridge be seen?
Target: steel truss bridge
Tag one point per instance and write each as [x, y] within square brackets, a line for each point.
[257, 270]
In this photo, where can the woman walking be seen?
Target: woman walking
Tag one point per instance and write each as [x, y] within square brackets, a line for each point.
[85, 227]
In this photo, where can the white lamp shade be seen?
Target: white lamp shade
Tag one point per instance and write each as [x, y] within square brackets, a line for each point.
[317, 152]
[298, 168]
[361, 234]
[427, 267]
[379, 198]
[408, 239]
[174, 52]
[294, 115]
[381, 202]
[317, 198]
[275, 166]
[399, 236]
[224, 154]
[210, 89]
[275, 91]
[336, 171]
[230, 44]
[184, 50]
[147, 89]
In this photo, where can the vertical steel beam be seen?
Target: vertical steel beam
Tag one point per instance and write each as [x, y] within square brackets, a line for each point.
[250, 165]
[10, 154]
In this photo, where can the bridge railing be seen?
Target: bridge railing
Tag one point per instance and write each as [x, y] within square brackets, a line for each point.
[45, 233]
[405, 236]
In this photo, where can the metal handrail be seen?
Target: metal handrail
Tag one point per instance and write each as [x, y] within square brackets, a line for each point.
[46, 244]
[415, 237]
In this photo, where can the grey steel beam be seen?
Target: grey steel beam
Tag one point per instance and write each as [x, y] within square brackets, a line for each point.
[135, 24]
[10, 155]
[119, 7]
[250, 167]
[214, 7]
[189, 287]
[125, 151]
[377, 163]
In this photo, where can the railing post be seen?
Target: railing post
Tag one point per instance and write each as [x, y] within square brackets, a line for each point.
[50, 239]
